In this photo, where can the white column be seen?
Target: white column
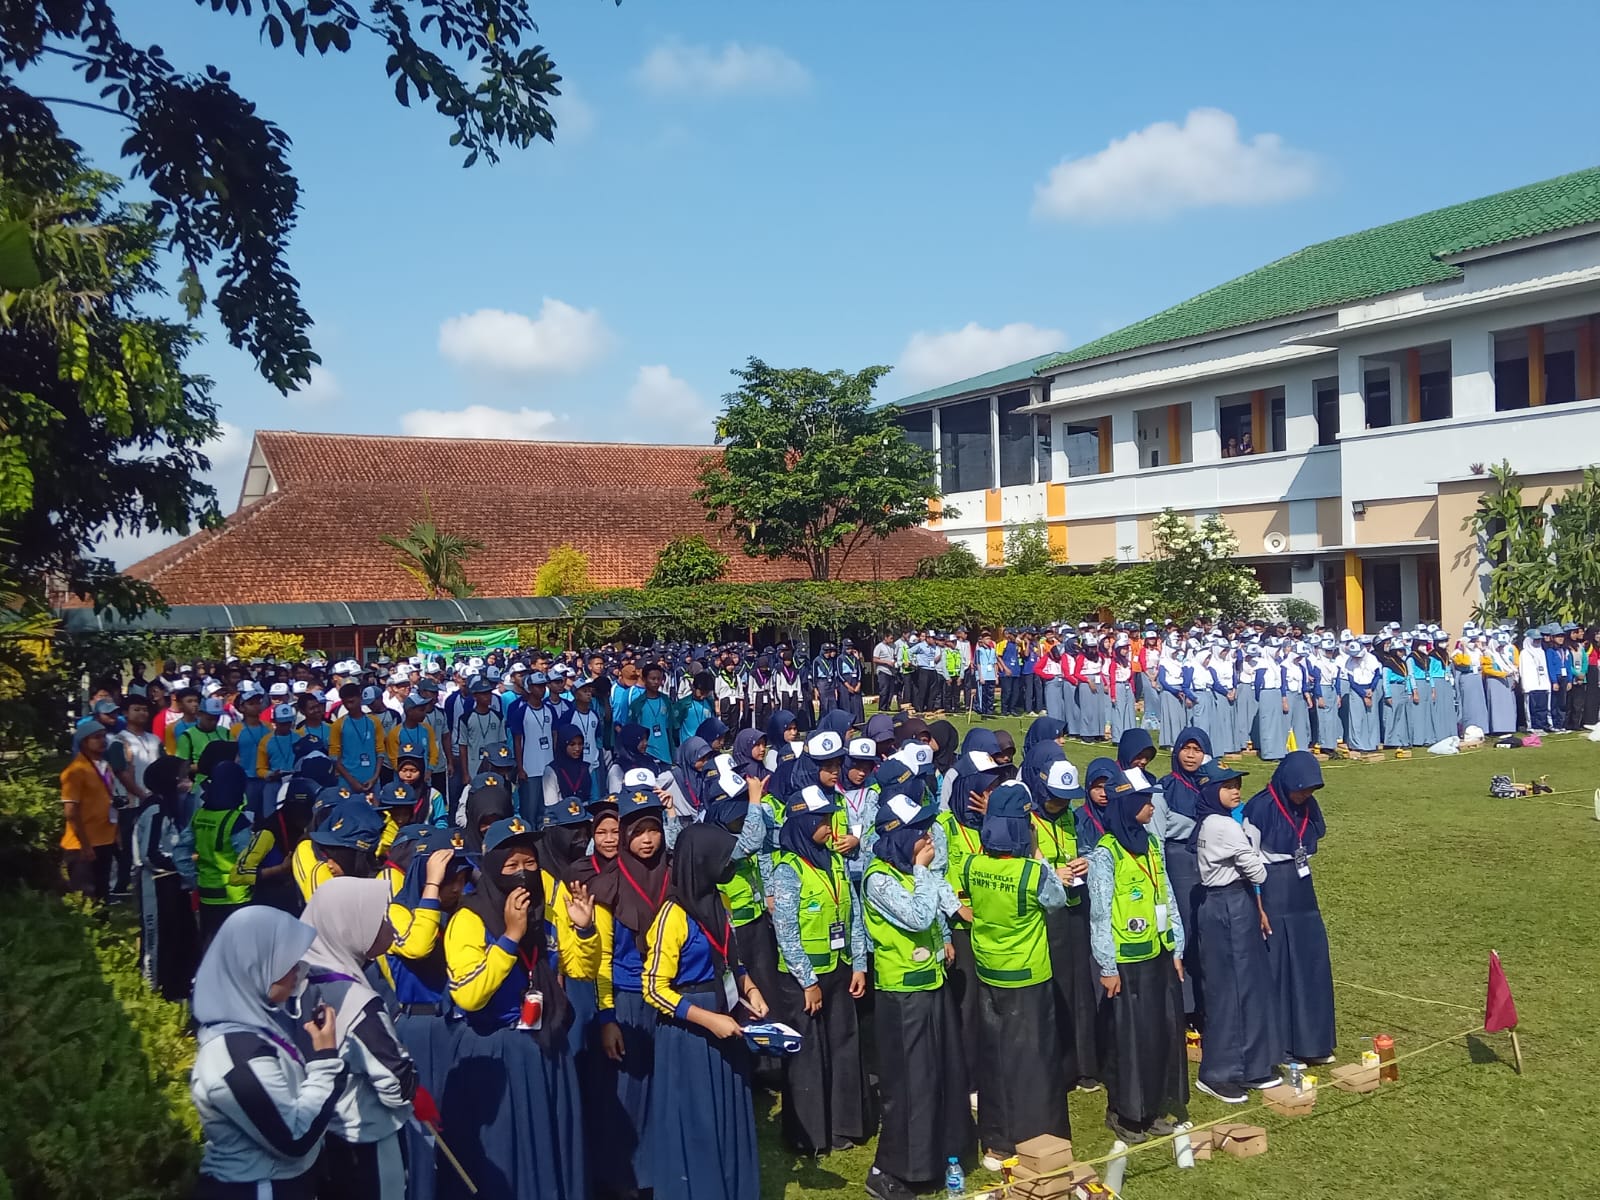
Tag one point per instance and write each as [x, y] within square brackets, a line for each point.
[1205, 443]
[1124, 441]
[938, 463]
[1472, 373]
[1299, 414]
[994, 440]
[1352, 419]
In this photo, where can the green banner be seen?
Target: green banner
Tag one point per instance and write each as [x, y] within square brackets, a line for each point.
[504, 638]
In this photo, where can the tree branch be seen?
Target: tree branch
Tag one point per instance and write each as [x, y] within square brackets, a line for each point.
[92, 107]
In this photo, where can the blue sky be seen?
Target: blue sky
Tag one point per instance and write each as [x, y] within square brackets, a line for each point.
[944, 187]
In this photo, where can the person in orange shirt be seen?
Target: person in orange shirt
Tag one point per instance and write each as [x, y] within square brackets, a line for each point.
[90, 836]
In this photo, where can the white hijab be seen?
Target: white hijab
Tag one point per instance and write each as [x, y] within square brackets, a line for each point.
[256, 947]
[346, 914]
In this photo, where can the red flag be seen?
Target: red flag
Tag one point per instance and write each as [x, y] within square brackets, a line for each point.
[1499, 1009]
[427, 1111]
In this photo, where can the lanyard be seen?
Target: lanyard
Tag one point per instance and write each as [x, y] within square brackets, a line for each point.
[1144, 865]
[1089, 808]
[370, 736]
[831, 879]
[720, 947]
[860, 800]
[1300, 834]
[529, 961]
[655, 903]
[541, 717]
[966, 836]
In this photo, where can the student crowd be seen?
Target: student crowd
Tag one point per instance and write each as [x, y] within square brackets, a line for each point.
[521, 909]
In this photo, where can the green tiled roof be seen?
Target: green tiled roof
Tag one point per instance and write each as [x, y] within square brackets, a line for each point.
[1016, 373]
[1358, 266]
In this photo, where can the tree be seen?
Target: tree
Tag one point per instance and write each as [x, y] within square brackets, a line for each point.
[269, 643]
[1575, 548]
[100, 425]
[686, 562]
[1195, 572]
[958, 562]
[565, 573]
[1028, 550]
[220, 171]
[435, 559]
[810, 469]
[1511, 538]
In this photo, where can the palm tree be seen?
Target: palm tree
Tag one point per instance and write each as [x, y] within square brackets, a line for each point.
[435, 559]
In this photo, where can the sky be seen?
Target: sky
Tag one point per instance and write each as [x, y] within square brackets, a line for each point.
[944, 188]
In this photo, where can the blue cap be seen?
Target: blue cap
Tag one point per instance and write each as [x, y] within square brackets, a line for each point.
[498, 757]
[421, 834]
[283, 712]
[309, 743]
[537, 677]
[397, 795]
[504, 830]
[411, 747]
[352, 823]
[1010, 799]
[570, 811]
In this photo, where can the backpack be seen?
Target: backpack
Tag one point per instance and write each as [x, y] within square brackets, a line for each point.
[1501, 787]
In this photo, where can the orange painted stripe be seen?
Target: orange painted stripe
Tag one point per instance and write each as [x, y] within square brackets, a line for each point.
[1535, 366]
[1105, 445]
[1055, 500]
[991, 505]
[1413, 386]
[1058, 542]
[995, 550]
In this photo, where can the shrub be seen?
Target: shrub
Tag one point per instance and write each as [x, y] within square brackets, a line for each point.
[30, 828]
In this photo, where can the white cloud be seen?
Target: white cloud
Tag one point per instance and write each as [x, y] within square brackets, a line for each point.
[482, 421]
[228, 453]
[1162, 168]
[661, 404]
[575, 117]
[676, 68]
[932, 359]
[324, 388]
[560, 339]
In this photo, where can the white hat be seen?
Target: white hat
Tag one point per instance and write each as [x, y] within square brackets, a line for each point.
[915, 755]
[827, 744]
[815, 799]
[278, 689]
[211, 689]
[639, 777]
[283, 712]
[300, 685]
[1062, 782]
[982, 761]
[863, 748]
[904, 807]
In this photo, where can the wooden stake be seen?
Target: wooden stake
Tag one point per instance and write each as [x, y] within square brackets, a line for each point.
[1516, 1048]
[456, 1163]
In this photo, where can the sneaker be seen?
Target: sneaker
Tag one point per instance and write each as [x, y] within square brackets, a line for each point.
[991, 1161]
[1320, 1061]
[1228, 1093]
[1124, 1133]
[886, 1187]
[1162, 1127]
[1087, 1087]
[1261, 1085]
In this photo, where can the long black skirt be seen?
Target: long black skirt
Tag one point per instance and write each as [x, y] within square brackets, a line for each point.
[825, 1097]
[1022, 1090]
[922, 1082]
[1241, 1042]
[1297, 951]
[962, 977]
[1183, 873]
[169, 943]
[1141, 1041]
[758, 951]
[1073, 980]
[431, 1042]
[701, 1134]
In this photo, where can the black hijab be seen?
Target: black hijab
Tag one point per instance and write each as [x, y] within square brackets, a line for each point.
[701, 859]
[485, 806]
[631, 887]
[563, 851]
[488, 900]
[945, 743]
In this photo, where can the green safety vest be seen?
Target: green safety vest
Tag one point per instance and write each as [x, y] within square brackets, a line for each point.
[743, 895]
[1009, 946]
[216, 857]
[824, 902]
[1058, 842]
[961, 844]
[1139, 884]
[901, 961]
[191, 743]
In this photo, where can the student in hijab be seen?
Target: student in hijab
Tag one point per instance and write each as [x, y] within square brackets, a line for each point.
[1072, 975]
[782, 731]
[488, 800]
[689, 763]
[345, 843]
[944, 742]
[628, 894]
[822, 946]
[168, 943]
[1136, 751]
[1022, 1087]
[858, 806]
[267, 865]
[569, 774]
[744, 893]
[915, 1017]
[1041, 749]
[1241, 1049]
[976, 775]
[1137, 939]
[567, 875]
[1291, 825]
[218, 834]
[361, 1156]
[701, 1131]
[435, 880]
[512, 1095]
[632, 752]
[713, 733]
[1175, 798]
[263, 1104]
[750, 753]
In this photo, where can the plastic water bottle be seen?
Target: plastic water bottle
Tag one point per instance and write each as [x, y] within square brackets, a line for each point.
[955, 1179]
[1297, 1077]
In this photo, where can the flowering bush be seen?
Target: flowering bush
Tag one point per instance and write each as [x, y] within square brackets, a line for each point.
[1195, 572]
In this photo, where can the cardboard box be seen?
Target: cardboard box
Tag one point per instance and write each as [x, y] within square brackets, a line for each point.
[1353, 1077]
[1043, 1154]
[1029, 1185]
[1287, 1102]
[1191, 1051]
[1200, 1140]
[1241, 1141]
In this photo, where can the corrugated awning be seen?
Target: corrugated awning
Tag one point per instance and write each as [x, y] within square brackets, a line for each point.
[197, 618]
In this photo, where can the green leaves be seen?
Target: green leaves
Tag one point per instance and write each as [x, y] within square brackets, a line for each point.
[687, 562]
[18, 269]
[1028, 550]
[435, 559]
[1544, 557]
[1194, 571]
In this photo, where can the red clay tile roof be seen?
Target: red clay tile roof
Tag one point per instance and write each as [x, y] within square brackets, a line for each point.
[316, 536]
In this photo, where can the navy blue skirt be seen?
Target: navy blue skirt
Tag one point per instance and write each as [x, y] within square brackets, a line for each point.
[1297, 952]
[431, 1042]
[1183, 873]
[701, 1135]
[1241, 1044]
[515, 1120]
[621, 1097]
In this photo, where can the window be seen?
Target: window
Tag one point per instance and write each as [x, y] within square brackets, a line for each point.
[1233, 425]
[1435, 396]
[966, 451]
[1083, 450]
[1018, 432]
[1560, 377]
[1379, 409]
[1428, 594]
[1327, 393]
[919, 430]
[1277, 425]
[1041, 447]
[1164, 434]
[1384, 579]
[1510, 383]
[1275, 578]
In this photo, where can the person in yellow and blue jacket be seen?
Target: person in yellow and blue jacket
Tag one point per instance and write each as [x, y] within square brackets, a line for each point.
[515, 1115]
[342, 842]
[701, 1131]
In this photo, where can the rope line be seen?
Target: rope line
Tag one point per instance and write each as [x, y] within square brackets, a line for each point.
[1402, 996]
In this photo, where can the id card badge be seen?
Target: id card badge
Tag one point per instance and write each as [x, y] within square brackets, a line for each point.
[836, 936]
[730, 989]
[111, 815]
[855, 829]
[1161, 918]
[366, 761]
[655, 731]
[544, 743]
[1076, 881]
[1302, 862]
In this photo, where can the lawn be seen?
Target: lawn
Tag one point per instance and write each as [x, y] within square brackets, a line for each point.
[1420, 876]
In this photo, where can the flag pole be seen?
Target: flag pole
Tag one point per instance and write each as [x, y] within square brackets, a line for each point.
[1516, 1049]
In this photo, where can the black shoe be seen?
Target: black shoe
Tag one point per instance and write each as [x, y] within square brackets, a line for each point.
[1122, 1132]
[886, 1187]
[840, 1142]
[1228, 1093]
[1162, 1127]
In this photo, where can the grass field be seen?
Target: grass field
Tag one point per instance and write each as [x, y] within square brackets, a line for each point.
[1420, 876]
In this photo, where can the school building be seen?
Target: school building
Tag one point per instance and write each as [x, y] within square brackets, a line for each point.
[1340, 407]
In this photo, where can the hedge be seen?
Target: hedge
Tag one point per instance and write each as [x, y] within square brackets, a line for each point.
[94, 1099]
